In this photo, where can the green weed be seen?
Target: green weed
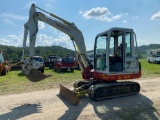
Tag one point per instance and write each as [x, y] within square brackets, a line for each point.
[16, 82]
[149, 69]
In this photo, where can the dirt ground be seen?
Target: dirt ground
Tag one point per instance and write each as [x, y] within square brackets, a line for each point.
[49, 105]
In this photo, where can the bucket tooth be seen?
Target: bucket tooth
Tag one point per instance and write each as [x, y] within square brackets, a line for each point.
[36, 76]
[69, 94]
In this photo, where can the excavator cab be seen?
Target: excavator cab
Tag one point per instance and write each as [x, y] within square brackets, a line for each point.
[115, 52]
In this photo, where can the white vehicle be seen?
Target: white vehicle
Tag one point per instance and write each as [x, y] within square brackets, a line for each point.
[38, 63]
[153, 56]
[99, 80]
[90, 55]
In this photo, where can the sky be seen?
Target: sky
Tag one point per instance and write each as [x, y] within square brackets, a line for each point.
[90, 16]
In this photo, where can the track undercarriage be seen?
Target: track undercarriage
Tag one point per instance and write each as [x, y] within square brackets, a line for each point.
[98, 90]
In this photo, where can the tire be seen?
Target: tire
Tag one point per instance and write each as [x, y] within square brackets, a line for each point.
[36, 65]
[4, 71]
[54, 69]
[78, 67]
[50, 67]
[59, 69]
[42, 70]
[72, 70]
[65, 70]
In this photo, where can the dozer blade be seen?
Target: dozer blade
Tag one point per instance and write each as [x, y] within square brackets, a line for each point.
[36, 76]
[69, 94]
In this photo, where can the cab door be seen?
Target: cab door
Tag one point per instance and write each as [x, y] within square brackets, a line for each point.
[100, 59]
[131, 55]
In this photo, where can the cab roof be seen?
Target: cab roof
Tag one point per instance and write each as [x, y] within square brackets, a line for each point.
[114, 29]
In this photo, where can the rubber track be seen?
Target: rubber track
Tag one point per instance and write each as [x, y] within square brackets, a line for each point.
[111, 90]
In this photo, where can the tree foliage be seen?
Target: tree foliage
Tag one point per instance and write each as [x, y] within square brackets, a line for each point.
[142, 50]
[10, 52]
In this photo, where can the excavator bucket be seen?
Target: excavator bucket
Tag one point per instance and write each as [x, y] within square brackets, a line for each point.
[69, 94]
[36, 76]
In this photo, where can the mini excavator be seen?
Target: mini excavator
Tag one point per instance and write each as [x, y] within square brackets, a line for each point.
[115, 59]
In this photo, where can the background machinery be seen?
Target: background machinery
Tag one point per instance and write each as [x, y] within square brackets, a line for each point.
[3, 65]
[50, 60]
[153, 56]
[115, 58]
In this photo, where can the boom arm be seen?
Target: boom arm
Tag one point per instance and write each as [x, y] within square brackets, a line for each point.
[66, 27]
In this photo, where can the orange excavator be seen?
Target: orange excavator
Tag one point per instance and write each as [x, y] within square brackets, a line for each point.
[115, 59]
[3, 65]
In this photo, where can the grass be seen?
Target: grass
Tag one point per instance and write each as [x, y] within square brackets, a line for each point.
[16, 82]
[149, 69]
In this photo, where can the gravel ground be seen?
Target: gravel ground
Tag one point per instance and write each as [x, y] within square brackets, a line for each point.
[49, 105]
